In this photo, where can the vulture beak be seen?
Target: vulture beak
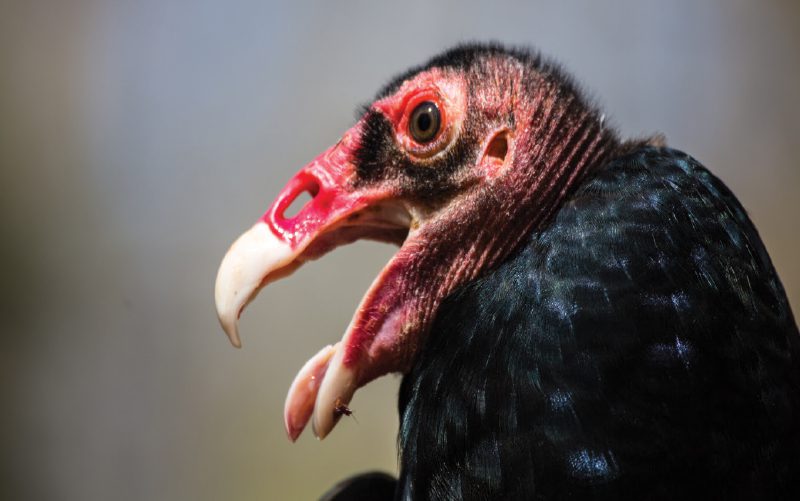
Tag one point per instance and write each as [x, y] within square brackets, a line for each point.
[255, 258]
[338, 213]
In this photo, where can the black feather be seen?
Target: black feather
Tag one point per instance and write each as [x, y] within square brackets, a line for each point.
[638, 346]
[373, 486]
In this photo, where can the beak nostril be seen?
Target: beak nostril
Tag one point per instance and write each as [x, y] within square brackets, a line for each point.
[296, 199]
[300, 201]
[313, 188]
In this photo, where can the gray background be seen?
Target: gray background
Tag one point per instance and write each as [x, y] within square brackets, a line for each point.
[138, 139]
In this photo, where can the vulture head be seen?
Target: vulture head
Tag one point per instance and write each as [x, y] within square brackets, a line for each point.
[455, 162]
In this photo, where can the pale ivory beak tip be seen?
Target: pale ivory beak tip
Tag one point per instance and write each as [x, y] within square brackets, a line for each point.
[319, 436]
[233, 336]
[320, 429]
[231, 328]
[336, 389]
[253, 256]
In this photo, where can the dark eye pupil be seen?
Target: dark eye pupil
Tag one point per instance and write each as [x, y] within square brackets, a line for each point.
[425, 122]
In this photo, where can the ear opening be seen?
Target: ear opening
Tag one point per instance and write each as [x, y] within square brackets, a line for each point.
[494, 155]
[498, 147]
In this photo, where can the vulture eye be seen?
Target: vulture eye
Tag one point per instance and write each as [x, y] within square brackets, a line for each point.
[425, 121]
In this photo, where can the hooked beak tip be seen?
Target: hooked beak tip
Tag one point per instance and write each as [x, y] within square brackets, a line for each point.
[233, 334]
[231, 328]
[242, 273]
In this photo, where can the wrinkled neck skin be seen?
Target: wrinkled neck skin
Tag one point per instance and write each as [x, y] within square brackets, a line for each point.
[555, 139]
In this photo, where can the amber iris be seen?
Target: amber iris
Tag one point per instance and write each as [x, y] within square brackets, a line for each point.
[425, 122]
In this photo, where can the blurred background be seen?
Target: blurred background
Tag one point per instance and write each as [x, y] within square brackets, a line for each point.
[139, 138]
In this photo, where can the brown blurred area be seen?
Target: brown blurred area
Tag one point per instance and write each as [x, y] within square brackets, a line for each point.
[139, 138]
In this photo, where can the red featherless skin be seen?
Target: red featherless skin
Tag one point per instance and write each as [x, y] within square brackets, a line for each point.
[507, 141]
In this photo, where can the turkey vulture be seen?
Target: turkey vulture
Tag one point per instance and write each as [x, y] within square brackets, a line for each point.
[575, 316]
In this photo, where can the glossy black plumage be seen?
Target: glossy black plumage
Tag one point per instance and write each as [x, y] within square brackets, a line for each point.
[373, 486]
[640, 345]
